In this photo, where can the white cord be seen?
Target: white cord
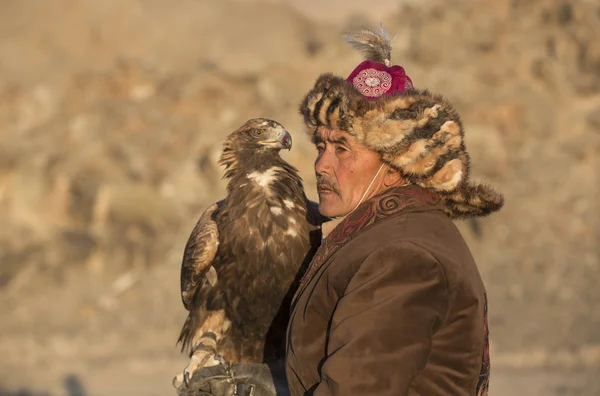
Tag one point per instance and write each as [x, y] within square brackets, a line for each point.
[367, 190]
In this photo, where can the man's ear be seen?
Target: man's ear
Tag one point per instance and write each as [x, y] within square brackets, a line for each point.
[392, 177]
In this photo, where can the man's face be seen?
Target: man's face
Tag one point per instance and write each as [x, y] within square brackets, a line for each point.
[344, 169]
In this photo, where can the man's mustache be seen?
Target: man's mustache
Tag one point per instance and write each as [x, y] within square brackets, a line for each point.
[325, 185]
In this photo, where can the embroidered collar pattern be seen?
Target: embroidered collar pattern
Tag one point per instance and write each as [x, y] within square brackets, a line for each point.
[387, 204]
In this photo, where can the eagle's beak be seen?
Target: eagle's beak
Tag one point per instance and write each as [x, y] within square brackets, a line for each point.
[285, 140]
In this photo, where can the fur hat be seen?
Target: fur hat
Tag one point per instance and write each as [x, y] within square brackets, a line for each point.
[417, 132]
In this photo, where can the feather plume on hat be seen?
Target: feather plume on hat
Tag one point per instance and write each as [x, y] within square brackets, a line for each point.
[375, 46]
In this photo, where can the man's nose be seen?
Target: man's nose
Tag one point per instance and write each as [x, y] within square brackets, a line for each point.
[323, 164]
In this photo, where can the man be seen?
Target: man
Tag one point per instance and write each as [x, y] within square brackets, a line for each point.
[392, 303]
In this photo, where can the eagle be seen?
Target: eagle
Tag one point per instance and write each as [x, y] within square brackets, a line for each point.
[246, 254]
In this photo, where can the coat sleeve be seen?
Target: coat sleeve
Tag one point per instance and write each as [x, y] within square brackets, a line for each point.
[381, 331]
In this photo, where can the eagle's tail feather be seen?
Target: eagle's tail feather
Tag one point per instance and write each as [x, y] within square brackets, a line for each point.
[187, 333]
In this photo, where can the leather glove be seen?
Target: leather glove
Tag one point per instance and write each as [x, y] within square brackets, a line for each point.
[238, 379]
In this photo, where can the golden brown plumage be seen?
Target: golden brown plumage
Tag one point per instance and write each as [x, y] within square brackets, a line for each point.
[198, 255]
[246, 254]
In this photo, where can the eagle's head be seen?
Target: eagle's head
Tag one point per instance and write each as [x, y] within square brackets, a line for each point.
[257, 138]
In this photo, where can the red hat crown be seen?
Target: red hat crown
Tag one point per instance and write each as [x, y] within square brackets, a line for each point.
[373, 79]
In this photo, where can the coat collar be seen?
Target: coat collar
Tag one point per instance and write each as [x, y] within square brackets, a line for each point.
[388, 204]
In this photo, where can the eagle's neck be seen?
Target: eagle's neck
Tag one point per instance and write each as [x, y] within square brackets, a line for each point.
[266, 174]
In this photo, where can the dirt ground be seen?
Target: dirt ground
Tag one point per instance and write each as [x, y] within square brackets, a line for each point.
[112, 114]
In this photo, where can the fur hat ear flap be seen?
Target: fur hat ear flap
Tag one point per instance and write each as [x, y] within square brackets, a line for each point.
[473, 200]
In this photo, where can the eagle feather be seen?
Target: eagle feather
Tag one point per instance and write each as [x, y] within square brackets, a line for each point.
[374, 45]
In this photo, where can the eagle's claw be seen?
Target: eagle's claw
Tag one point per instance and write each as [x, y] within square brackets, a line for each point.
[198, 361]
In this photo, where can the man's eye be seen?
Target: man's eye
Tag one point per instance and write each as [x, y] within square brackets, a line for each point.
[320, 149]
[340, 150]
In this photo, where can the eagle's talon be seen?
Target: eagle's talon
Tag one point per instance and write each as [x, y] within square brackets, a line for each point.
[197, 361]
[178, 381]
[222, 361]
[186, 379]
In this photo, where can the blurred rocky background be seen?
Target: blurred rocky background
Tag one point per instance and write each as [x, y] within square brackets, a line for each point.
[112, 114]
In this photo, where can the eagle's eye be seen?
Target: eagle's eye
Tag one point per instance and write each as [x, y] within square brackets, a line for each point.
[257, 132]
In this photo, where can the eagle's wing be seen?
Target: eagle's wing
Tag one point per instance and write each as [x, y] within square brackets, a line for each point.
[198, 255]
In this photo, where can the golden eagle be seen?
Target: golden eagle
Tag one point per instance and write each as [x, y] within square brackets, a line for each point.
[246, 254]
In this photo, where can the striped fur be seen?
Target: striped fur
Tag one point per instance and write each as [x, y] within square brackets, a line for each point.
[417, 132]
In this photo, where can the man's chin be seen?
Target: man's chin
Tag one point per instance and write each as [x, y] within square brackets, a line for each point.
[328, 208]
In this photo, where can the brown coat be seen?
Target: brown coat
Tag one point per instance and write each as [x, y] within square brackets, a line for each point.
[392, 304]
